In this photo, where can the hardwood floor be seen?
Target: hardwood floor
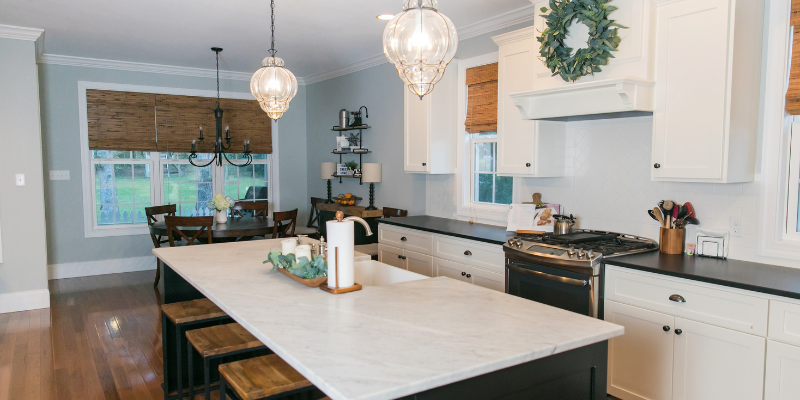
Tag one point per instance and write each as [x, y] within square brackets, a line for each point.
[101, 339]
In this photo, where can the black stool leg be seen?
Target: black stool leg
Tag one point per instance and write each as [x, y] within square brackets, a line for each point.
[207, 373]
[222, 388]
[179, 347]
[166, 366]
[190, 359]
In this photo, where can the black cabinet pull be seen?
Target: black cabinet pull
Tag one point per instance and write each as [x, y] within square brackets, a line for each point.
[678, 331]
[424, 164]
[467, 253]
[527, 164]
[469, 275]
[403, 239]
[666, 328]
[656, 165]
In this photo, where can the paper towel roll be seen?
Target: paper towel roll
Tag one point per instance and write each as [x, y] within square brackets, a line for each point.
[341, 236]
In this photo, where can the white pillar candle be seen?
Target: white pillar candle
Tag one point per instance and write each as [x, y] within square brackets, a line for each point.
[303, 251]
[288, 246]
[340, 252]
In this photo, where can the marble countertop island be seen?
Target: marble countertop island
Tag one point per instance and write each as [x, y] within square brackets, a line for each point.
[382, 342]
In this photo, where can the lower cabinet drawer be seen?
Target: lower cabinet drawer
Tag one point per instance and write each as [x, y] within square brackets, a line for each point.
[419, 263]
[469, 274]
[676, 297]
[489, 280]
[452, 270]
[391, 255]
[485, 256]
[407, 239]
[784, 321]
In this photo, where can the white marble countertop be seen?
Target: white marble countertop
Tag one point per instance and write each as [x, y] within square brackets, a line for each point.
[382, 342]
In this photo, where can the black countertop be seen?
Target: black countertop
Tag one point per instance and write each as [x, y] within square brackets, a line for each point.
[452, 227]
[764, 278]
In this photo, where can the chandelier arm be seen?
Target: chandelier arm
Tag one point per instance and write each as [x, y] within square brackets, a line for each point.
[194, 156]
[249, 160]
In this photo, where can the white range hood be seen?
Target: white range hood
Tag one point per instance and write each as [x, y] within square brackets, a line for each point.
[589, 98]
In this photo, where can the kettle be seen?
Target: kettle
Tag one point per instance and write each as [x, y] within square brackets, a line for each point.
[563, 224]
[344, 119]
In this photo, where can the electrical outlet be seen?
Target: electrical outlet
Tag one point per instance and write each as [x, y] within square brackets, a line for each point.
[737, 228]
[59, 175]
[20, 179]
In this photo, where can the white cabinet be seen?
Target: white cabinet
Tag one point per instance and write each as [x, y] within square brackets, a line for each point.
[405, 259]
[716, 363]
[430, 127]
[782, 381]
[452, 270]
[707, 91]
[524, 147]
[469, 274]
[640, 361]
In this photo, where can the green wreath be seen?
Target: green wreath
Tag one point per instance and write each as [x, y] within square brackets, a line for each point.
[603, 37]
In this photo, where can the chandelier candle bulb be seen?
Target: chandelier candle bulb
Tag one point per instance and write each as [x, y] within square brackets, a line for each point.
[201, 133]
[193, 144]
[227, 133]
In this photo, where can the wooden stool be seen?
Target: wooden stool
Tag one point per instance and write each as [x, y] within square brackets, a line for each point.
[216, 342]
[184, 316]
[267, 377]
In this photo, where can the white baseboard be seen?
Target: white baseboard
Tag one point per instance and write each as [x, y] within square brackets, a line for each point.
[23, 301]
[101, 267]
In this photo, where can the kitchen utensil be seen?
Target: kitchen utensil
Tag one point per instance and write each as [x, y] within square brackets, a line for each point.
[668, 205]
[689, 210]
[563, 224]
[692, 221]
[652, 215]
[683, 212]
[659, 216]
[344, 119]
[676, 209]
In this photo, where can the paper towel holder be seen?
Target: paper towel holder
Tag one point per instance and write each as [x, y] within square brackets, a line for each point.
[337, 289]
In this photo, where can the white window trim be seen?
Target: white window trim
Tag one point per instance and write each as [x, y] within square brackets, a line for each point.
[774, 240]
[495, 214]
[91, 229]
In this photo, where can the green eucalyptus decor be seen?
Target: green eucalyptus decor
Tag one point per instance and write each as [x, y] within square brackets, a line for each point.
[302, 267]
[603, 37]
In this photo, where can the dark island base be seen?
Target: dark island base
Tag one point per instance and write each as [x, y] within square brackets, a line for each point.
[578, 374]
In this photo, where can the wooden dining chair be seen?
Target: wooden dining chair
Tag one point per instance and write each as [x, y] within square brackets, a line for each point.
[258, 209]
[313, 216]
[173, 224]
[151, 213]
[281, 217]
[389, 212]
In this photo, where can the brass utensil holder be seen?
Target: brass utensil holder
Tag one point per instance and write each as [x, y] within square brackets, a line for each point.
[672, 241]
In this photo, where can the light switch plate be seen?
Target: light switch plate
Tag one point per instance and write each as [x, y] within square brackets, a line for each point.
[19, 179]
[59, 175]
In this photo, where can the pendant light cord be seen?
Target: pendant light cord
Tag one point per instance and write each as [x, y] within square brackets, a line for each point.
[272, 50]
[217, 78]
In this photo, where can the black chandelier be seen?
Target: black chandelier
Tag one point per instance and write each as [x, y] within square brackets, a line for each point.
[220, 149]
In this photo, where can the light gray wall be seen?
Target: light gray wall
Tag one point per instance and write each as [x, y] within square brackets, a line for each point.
[22, 218]
[61, 149]
[380, 89]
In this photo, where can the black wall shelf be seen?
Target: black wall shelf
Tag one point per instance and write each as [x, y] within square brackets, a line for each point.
[360, 130]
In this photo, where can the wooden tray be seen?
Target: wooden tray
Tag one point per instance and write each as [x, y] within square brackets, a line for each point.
[308, 282]
[340, 290]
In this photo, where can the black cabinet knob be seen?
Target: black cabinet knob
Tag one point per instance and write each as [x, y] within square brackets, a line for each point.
[678, 331]
[467, 253]
[400, 257]
[463, 274]
[527, 164]
[469, 275]
[656, 165]
[424, 164]
[666, 328]
[403, 239]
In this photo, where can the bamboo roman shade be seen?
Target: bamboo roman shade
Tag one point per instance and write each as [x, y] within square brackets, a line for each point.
[482, 99]
[793, 93]
[169, 123]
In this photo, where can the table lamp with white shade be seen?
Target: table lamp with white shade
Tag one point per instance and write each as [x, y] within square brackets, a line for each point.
[371, 173]
[328, 169]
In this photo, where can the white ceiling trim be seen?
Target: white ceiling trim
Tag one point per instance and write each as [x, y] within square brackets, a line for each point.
[510, 18]
[22, 33]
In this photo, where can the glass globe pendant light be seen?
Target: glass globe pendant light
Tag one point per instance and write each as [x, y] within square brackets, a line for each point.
[420, 42]
[273, 85]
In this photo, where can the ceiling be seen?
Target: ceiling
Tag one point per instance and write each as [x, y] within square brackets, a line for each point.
[312, 36]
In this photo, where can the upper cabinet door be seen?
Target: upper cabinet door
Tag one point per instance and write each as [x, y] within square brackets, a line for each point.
[716, 363]
[417, 132]
[691, 82]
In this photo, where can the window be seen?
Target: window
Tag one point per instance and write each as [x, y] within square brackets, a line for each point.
[119, 184]
[487, 186]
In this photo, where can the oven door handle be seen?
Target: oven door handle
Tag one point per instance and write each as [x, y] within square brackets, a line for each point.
[537, 274]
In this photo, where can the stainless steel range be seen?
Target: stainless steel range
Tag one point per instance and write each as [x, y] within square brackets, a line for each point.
[566, 271]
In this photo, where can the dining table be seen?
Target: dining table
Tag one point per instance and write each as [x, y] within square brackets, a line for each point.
[235, 229]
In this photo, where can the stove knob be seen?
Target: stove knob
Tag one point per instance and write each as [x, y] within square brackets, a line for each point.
[571, 251]
[581, 253]
[511, 241]
[589, 254]
[519, 243]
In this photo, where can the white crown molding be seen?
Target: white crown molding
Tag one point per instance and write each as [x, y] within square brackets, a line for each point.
[22, 33]
[347, 69]
[510, 18]
[73, 61]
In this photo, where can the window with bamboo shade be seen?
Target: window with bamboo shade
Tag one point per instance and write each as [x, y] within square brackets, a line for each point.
[793, 93]
[481, 99]
[126, 121]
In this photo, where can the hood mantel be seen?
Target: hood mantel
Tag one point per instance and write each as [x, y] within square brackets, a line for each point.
[596, 97]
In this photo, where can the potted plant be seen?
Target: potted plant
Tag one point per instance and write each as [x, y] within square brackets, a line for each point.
[351, 167]
[221, 204]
